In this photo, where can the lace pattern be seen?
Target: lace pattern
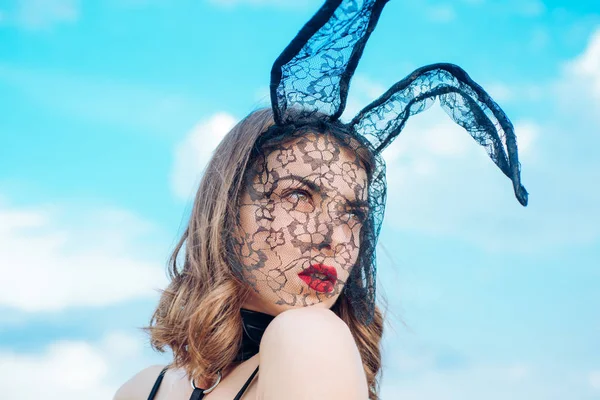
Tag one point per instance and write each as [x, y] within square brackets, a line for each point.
[309, 88]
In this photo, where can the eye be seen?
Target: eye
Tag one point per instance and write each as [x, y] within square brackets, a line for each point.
[356, 215]
[298, 196]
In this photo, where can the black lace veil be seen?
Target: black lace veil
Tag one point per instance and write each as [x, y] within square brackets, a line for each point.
[309, 87]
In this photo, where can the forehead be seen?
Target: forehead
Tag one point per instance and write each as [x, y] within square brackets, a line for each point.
[324, 161]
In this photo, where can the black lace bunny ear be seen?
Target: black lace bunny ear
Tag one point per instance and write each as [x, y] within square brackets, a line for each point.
[309, 88]
[314, 70]
[463, 100]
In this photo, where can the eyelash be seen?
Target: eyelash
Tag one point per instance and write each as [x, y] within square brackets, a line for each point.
[360, 215]
[298, 191]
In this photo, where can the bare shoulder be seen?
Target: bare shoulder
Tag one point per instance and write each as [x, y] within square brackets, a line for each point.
[140, 385]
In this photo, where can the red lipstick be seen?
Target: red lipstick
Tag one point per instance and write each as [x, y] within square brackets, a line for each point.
[319, 277]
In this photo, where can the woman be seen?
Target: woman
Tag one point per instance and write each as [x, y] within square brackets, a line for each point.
[279, 261]
[286, 219]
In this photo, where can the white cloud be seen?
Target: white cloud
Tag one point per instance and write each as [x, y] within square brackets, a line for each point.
[194, 151]
[52, 258]
[584, 70]
[441, 13]
[528, 133]
[477, 203]
[577, 90]
[44, 14]
[70, 370]
[432, 140]
[438, 140]
[594, 379]
[367, 87]
[362, 92]
[441, 183]
[503, 93]
[435, 159]
[500, 92]
[122, 346]
[516, 381]
[66, 370]
[133, 108]
[417, 369]
[433, 134]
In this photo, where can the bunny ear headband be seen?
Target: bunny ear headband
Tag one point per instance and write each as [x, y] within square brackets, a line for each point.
[312, 76]
[313, 73]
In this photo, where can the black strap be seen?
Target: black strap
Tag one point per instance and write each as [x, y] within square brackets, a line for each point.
[241, 392]
[197, 394]
[157, 384]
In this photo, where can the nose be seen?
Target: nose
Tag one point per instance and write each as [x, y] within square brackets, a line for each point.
[322, 236]
[331, 234]
[325, 244]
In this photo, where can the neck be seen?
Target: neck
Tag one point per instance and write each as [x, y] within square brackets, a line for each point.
[254, 324]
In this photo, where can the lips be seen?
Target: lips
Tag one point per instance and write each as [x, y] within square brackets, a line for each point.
[319, 277]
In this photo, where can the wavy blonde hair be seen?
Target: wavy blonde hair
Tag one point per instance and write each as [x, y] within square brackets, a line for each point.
[198, 315]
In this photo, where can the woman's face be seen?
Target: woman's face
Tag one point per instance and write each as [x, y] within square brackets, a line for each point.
[300, 221]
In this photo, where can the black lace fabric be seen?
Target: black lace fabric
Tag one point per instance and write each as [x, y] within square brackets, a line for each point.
[462, 99]
[301, 216]
[313, 73]
[330, 209]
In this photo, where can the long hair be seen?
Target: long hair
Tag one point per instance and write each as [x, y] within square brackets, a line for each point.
[198, 315]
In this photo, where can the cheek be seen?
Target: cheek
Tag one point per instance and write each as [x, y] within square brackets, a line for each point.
[348, 234]
[346, 256]
[265, 237]
[251, 233]
[254, 216]
[347, 249]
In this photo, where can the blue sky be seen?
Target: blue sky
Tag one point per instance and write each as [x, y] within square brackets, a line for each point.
[110, 110]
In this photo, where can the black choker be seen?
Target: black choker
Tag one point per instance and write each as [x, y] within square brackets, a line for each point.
[254, 324]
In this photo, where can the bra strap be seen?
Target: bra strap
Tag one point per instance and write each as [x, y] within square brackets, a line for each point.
[241, 392]
[197, 394]
[157, 384]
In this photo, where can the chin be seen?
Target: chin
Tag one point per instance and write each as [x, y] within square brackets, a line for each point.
[268, 306]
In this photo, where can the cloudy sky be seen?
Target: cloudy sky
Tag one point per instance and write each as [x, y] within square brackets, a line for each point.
[110, 110]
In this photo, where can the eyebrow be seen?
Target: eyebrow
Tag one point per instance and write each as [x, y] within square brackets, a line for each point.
[317, 189]
[311, 185]
[358, 203]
